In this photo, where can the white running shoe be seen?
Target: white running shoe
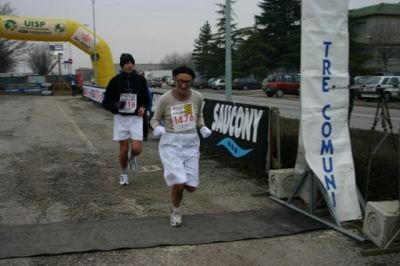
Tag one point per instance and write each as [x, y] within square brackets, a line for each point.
[132, 162]
[176, 218]
[123, 179]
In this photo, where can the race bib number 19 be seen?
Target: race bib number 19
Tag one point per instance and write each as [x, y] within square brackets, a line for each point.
[130, 102]
[183, 117]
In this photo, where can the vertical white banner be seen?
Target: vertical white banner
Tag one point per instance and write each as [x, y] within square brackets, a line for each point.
[324, 125]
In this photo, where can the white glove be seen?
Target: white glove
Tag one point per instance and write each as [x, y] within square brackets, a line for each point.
[205, 132]
[158, 131]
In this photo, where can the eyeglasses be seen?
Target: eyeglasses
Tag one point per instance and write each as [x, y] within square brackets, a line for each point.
[181, 81]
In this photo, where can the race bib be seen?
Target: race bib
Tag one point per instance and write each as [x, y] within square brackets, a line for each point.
[130, 102]
[183, 117]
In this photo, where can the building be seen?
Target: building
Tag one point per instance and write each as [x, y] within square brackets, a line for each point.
[86, 74]
[378, 27]
[145, 67]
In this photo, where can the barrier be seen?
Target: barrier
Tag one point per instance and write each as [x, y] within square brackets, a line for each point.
[240, 132]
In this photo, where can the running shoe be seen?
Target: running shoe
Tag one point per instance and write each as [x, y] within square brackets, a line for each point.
[123, 179]
[132, 162]
[176, 218]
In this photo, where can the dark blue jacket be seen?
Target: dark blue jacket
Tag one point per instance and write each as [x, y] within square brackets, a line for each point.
[123, 83]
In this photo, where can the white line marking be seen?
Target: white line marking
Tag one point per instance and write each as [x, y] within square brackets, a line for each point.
[84, 138]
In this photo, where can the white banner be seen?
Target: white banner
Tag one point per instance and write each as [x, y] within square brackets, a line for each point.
[324, 125]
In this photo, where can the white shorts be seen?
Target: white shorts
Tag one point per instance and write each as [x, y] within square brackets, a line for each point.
[180, 155]
[128, 127]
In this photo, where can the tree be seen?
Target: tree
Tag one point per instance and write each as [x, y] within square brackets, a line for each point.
[250, 59]
[221, 23]
[11, 51]
[202, 50]
[175, 60]
[385, 40]
[39, 59]
[278, 26]
[358, 56]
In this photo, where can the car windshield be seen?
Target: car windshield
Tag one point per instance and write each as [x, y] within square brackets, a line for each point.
[362, 80]
[373, 80]
[271, 78]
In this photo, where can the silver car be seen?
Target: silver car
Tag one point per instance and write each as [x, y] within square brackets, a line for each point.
[374, 86]
[218, 84]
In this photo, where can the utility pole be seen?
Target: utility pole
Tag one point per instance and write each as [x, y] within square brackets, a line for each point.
[95, 52]
[228, 52]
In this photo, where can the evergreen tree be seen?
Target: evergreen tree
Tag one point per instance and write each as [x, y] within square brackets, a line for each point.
[279, 27]
[250, 58]
[202, 52]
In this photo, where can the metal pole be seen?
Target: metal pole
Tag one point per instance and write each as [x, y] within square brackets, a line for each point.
[228, 52]
[95, 53]
[70, 57]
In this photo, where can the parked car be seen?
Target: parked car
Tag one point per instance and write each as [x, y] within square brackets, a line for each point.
[201, 82]
[374, 86]
[171, 82]
[219, 84]
[155, 82]
[210, 81]
[280, 84]
[166, 78]
[357, 86]
[246, 84]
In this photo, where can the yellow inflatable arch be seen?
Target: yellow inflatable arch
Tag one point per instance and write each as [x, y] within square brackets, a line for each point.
[61, 30]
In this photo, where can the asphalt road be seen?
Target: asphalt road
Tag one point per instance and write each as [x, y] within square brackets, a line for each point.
[363, 115]
[58, 164]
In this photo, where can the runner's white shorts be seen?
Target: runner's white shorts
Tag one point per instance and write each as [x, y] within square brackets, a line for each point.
[180, 155]
[128, 127]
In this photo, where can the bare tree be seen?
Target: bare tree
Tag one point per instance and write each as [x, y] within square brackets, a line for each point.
[39, 59]
[174, 60]
[385, 40]
[11, 51]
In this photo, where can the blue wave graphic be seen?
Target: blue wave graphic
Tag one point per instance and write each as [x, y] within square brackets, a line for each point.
[233, 148]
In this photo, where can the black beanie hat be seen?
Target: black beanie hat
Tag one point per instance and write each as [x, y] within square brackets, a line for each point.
[183, 69]
[125, 58]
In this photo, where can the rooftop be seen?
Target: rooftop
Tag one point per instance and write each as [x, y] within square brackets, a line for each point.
[382, 9]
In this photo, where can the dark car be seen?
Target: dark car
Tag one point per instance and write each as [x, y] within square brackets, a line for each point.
[358, 85]
[246, 84]
[280, 84]
[155, 82]
[201, 82]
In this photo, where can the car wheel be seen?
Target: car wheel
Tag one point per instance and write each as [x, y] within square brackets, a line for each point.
[218, 87]
[270, 94]
[245, 88]
[279, 93]
[200, 86]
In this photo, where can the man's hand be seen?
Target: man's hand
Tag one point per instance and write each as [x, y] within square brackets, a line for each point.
[158, 131]
[119, 105]
[205, 132]
[141, 111]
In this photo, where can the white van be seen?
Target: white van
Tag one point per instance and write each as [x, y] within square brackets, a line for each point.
[387, 84]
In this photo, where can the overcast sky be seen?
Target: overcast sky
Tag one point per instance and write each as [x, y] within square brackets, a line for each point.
[148, 29]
